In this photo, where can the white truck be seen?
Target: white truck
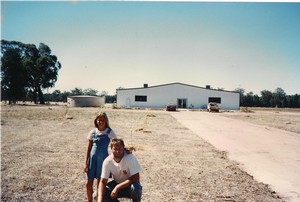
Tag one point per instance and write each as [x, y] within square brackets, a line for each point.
[213, 107]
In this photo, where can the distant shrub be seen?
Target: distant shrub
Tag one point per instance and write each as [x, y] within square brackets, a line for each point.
[245, 109]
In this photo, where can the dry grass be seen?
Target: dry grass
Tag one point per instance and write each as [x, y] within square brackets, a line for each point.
[43, 155]
[284, 119]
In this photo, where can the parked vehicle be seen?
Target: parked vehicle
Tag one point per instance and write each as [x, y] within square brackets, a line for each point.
[213, 107]
[171, 107]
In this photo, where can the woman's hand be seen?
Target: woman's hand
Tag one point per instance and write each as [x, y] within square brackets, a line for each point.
[86, 168]
[129, 150]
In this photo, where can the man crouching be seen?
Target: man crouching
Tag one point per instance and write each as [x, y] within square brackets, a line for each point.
[124, 169]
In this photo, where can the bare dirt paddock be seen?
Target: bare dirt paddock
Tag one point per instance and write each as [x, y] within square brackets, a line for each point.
[43, 152]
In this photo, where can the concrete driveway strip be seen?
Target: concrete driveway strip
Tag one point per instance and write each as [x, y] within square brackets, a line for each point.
[270, 155]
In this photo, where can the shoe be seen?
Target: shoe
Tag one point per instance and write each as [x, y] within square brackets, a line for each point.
[95, 194]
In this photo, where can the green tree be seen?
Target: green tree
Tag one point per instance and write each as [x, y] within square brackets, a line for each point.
[242, 95]
[256, 101]
[249, 100]
[296, 101]
[40, 67]
[266, 98]
[57, 96]
[65, 96]
[77, 91]
[279, 97]
[90, 92]
[43, 70]
[13, 81]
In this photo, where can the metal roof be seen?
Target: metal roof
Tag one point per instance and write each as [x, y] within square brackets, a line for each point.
[174, 84]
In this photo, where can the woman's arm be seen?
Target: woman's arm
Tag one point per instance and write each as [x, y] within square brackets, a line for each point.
[89, 148]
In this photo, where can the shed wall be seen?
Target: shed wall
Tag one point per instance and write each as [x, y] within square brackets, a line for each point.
[160, 96]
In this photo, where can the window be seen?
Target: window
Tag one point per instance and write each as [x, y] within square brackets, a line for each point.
[214, 99]
[141, 98]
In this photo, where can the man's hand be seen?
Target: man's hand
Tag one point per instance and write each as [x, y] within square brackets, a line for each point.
[114, 192]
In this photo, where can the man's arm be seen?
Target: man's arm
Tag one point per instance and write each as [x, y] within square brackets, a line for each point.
[102, 189]
[126, 183]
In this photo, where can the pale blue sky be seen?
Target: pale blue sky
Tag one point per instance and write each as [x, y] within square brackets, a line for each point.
[106, 45]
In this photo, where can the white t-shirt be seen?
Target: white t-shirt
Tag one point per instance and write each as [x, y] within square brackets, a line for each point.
[127, 167]
[95, 132]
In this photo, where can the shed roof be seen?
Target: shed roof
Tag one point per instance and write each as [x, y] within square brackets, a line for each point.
[174, 84]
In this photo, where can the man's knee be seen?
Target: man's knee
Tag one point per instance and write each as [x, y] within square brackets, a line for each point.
[136, 191]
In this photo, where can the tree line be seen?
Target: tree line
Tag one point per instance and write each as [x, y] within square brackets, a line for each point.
[278, 98]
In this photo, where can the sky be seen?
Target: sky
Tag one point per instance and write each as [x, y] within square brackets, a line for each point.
[105, 45]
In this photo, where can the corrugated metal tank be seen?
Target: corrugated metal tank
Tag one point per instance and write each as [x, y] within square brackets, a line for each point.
[86, 101]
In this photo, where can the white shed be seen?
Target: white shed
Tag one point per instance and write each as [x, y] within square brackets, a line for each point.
[182, 95]
[86, 101]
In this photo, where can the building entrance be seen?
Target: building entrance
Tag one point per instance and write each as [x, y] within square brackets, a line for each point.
[181, 102]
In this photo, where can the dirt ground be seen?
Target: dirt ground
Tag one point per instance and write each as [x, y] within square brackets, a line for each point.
[43, 152]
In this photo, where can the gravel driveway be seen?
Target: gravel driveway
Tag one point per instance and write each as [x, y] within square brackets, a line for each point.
[271, 155]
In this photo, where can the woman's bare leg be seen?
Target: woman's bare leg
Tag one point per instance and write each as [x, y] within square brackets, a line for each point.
[89, 190]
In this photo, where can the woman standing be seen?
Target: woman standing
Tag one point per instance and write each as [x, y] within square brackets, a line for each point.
[98, 141]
